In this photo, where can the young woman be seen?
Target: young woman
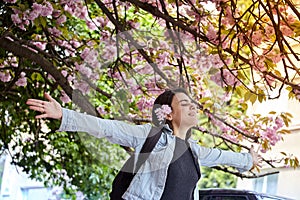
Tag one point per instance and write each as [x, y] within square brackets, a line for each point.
[172, 170]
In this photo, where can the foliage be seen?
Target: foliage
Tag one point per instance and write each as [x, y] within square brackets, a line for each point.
[111, 58]
[212, 178]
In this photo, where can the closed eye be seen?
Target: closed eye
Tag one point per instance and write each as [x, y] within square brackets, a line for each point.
[185, 104]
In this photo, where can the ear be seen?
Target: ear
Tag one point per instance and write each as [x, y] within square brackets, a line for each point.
[169, 117]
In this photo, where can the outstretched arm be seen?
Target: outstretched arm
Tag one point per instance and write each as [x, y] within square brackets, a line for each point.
[49, 109]
[242, 161]
[115, 131]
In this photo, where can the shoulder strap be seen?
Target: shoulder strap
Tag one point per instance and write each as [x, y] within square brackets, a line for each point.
[148, 145]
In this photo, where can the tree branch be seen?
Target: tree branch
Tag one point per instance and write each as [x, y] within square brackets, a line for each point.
[8, 44]
[120, 26]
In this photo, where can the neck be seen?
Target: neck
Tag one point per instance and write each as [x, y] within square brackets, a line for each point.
[180, 132]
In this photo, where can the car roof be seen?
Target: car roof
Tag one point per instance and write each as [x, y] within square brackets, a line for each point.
[236, 191]
[225, 191]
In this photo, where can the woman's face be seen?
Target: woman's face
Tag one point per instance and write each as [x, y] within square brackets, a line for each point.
[184, 111]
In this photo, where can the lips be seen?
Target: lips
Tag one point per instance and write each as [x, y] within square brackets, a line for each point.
[192, 114]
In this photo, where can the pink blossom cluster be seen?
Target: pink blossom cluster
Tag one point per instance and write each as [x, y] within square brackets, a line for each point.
[258, 62]
[22, 19]
[84, 69]
[212, 34]
[10, 1]
[89, 69]
[54, 32]
[274, 55]
[228, 17]
[218, 123]
[22, 81]
[64, 97]
[90, 56]
[230, 137]
[270, 80]
[203, 62]
[162, 112]
[225, 77]
[297, 93]
[266, 130]
[271, 136]
[39, 43]
[225, 130]
[257, 37]
[76, 8]
[5, 76]
[269, 30]
[152, 2]
[69, 46]
[81, 85]
[109, 52]
[101, 110]
[145, 103]
[70, 77]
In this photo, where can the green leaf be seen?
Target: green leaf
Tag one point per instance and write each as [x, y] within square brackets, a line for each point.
[36, 76]
[247, 96]
[208, 105]
[283, 153]
[261, 97]
[213, 71]
[253, 98]
[204, 99]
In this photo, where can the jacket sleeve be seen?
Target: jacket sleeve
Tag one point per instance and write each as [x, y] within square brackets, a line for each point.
[117, 132]
[213, 156]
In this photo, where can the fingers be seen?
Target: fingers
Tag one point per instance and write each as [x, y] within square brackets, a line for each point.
[37, 105]
[252, 148]
[47, 96]
[49, 109]
[38, 102]
[35, 102]
[252, 151]
[41, 116]
[37, 108]
[257, 159]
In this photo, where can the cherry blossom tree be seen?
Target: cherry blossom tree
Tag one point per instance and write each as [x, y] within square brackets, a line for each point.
[112, 58]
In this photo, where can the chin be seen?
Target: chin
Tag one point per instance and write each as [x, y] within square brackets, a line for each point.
[193, 124]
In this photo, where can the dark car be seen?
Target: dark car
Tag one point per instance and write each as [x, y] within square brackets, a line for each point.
[235, 194]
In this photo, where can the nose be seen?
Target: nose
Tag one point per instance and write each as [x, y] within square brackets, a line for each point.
[193, 106]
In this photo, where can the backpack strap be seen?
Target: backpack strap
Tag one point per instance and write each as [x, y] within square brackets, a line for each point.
[148, 146]
[128, 171]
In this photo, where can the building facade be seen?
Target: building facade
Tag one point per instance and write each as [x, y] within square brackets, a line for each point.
[283, 180]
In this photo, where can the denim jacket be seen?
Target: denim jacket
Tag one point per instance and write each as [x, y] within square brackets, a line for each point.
[149, 182]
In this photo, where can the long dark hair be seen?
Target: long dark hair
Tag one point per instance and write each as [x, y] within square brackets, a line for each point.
[166, 98]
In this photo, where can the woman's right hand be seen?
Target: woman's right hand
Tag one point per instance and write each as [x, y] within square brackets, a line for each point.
[257, 159]
[49, 109]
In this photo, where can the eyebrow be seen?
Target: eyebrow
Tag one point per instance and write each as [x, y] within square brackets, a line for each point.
[188, 100]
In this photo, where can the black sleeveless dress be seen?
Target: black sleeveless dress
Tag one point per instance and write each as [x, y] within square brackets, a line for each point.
[183, 174]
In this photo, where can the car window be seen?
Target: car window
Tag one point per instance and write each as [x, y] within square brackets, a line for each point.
[218, 197]
[269, 198]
